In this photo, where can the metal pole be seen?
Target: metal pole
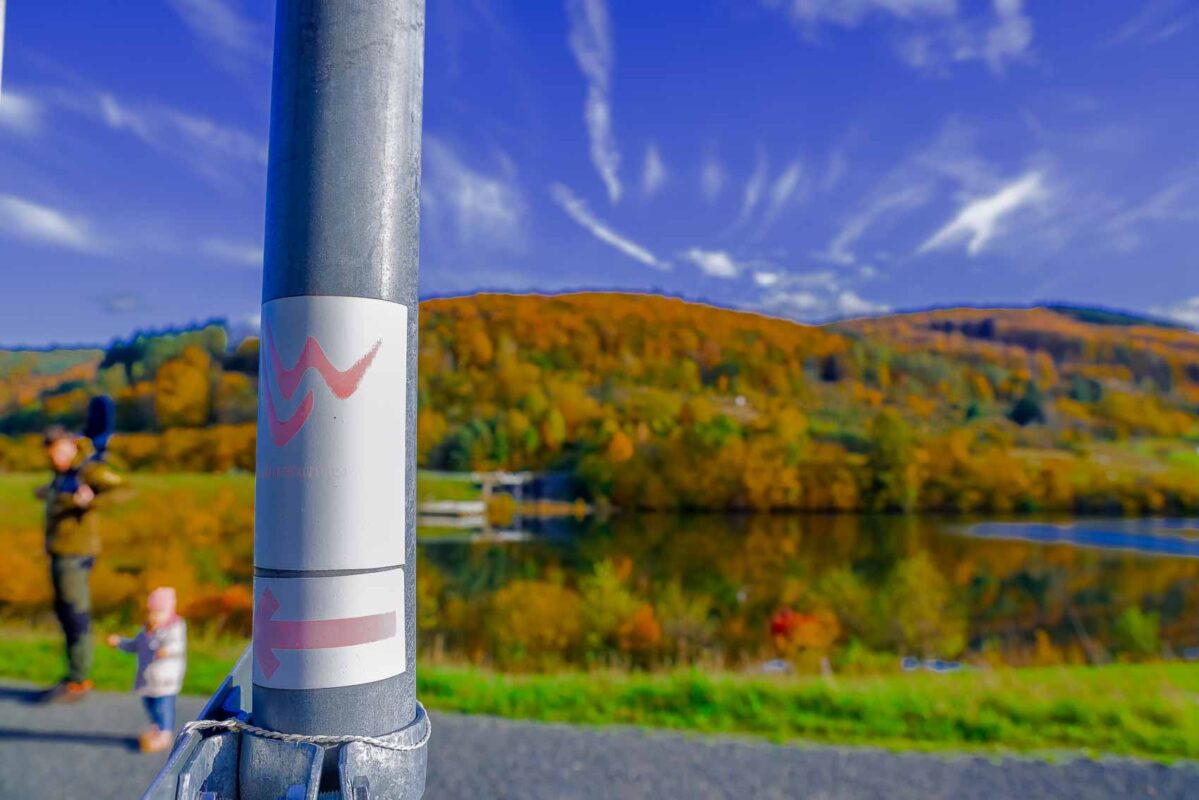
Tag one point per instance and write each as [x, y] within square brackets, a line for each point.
[335, 525]
[2, 2]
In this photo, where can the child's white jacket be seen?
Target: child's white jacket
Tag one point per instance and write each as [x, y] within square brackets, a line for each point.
[161, 659]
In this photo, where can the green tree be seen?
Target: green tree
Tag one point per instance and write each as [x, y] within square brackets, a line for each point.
[182, 396]
[1137, 634]
[925, 620]
[607, 605]
[553, 430]
[534, 622]
[1029, 408]
[891, 463]
[236, 398]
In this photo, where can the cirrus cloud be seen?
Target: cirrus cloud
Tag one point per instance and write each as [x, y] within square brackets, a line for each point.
[578, 210]
[43, 224]
[591, 43]
[653, 176]
[979, 221]
[483, 209]
[931, 33]
[246, 254]
[20, 113]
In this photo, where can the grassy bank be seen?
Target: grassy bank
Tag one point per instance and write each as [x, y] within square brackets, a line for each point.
[16, 489]
[38, 657]
[1136, 710]
[1147, 711]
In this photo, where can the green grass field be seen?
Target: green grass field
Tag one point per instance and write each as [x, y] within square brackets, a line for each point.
[434, 486]
[17, 507]
[1149, 711]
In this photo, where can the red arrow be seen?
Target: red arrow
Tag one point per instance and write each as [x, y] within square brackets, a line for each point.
[271, 634]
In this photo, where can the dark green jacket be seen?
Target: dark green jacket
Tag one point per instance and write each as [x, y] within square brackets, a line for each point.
[71, 529]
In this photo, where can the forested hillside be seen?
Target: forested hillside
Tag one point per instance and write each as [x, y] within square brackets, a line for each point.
[656, 403]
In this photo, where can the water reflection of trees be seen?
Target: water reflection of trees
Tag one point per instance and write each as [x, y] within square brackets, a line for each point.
[713, 584]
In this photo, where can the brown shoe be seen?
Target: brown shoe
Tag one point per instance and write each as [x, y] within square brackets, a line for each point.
[68, 692]
[154, 741]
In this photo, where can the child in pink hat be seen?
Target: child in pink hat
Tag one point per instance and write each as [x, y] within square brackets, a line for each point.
[161, 648]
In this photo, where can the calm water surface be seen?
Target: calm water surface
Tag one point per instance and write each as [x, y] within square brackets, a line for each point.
[1006, 578]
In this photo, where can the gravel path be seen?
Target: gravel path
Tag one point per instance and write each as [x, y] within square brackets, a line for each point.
[87, 751]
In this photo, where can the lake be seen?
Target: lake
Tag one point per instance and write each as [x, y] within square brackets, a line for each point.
[896, 583]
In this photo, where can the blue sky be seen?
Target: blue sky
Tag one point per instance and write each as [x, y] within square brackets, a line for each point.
[807, 158]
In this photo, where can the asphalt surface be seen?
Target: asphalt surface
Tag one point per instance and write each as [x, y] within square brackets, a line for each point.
[88, 751]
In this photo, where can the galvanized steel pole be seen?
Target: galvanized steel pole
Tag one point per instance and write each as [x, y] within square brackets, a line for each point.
[334, 548]
[2, 46]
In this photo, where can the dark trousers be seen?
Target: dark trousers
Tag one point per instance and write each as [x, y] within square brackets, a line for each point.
[71, 576]
[161, 711]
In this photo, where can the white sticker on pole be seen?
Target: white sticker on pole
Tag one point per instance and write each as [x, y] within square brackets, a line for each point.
[317, 633]
[331, 434]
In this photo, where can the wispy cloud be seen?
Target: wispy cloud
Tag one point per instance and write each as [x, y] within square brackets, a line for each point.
[782, 191]
[841, 248]
[850, 304]
[1176, 201]
[122, 303]
[1009, 39]
[119, 118]
[247, 254]
[851, 13]
[1006, 36]
[715, 263]
[932, 33]
[216, 152]
[578, 210]
[1186, 312]
[230, 38]
[20, 113]
[948, 160]
[797, 305]
[755, 188]
[952, 156]
[653, 176]
[978, 222]
[1156, 21]
[817, 303]
[205, 134]
[824, 279]
[763, 199]
[42, 224]
[711, 177]
[483, 209]
[835, 170]
[591, 43]
[812, 296]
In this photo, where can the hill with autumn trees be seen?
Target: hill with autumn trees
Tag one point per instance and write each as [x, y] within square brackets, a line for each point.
[656, 403]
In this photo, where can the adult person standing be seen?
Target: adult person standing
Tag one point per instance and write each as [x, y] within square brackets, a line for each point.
[78, 487]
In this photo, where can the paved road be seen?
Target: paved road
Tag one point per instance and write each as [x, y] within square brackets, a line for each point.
[87, 751]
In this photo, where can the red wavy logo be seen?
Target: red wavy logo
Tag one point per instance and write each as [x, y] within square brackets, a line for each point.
[342, 383]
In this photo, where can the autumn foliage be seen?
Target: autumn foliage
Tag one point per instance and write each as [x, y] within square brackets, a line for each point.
[658, 404]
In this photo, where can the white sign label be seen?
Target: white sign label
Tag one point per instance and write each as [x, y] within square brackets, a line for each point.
[316, 633]
[331, 434]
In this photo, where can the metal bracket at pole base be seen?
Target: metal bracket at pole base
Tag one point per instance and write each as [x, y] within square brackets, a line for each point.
[373, 773]
[237, 765]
